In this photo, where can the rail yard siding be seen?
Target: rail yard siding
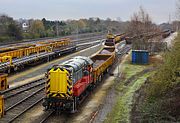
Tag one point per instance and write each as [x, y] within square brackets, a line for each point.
[40, 70]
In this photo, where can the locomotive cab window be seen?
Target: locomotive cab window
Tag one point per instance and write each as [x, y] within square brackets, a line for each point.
[86, 73]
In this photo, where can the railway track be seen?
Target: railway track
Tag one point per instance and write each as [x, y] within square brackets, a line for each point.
[18, 89]
[21, 62]
[85, 40]
[86, 45]
[22, 103]
[20, 99]
[25, 97]
[49, 117]
[73, 37]
[26, 105]
[46, 117]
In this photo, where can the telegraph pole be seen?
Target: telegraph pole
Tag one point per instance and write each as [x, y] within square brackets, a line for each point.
[169, 18]
[77, 32]
[57, 29]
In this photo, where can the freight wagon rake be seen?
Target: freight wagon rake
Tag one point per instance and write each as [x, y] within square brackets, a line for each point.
[85, 72]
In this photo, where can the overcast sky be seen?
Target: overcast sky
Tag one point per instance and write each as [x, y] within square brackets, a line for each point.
[159, 10]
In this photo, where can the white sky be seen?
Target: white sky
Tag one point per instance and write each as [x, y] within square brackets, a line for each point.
[159, 10]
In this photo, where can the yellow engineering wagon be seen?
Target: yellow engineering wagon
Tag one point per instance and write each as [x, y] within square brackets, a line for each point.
[3, 81]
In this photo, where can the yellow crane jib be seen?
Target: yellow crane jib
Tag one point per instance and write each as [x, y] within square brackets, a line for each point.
[49, 49]
[110, 36]
[6, 59]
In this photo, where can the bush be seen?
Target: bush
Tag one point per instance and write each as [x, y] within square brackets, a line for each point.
[165, 78]
[35, 35]
[5, 38]
[161, 97]
[27, 36]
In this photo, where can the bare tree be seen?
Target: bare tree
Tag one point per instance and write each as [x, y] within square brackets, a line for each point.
[140, 22]
[176, 23]
[141, 27]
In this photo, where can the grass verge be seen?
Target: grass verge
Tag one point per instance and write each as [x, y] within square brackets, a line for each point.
[121, 110]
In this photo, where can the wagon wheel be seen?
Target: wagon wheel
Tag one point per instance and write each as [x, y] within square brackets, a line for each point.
[107, 70]
[100, 78]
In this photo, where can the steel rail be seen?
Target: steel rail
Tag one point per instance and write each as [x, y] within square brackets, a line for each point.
[23, 100]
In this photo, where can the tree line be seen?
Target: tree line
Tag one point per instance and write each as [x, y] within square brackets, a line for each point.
[12, 29]
[140, 23]
[9, 29]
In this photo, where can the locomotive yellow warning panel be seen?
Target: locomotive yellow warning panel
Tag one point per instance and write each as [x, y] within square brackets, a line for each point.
[58, 81]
